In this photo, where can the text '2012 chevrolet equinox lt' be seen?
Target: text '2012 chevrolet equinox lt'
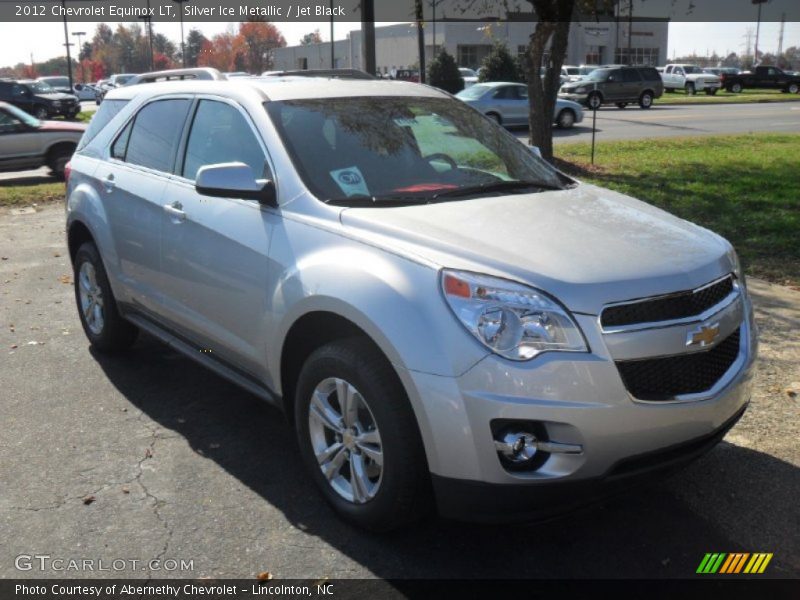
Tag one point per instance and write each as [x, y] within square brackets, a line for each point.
[447, 319]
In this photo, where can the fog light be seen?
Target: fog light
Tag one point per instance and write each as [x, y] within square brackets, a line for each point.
[517, 447]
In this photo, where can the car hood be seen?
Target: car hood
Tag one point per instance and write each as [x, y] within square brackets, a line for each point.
[57, 96]
[588, 246]
[62, 126]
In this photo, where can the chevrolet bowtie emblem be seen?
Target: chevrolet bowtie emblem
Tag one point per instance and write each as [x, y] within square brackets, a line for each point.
[703, 336]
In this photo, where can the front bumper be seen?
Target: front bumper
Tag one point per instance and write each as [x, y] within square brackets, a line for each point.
[580, 399]
[581, 99]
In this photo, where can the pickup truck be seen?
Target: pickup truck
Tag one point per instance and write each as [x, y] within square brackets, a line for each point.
[691, 79]
[763, 77]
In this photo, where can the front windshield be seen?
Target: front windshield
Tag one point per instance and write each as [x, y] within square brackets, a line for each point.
[586, 70]
[401, 149]
[598, 75]
[40, 87]
[21, 115]
[688, 70]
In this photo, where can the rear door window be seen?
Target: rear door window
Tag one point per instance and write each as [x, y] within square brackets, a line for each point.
[106, 111]
[630, 76]
[156, 133]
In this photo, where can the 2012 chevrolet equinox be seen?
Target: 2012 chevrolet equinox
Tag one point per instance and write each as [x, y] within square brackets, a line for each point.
[443, 315]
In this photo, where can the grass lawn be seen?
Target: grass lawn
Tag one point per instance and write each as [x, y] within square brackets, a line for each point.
[723, 97]
[31, 193]
[744, 187]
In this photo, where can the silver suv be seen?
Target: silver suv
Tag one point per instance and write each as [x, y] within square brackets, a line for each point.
[443, 315]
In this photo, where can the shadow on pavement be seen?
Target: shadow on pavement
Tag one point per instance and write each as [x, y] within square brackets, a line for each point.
[28, 178]
[649, 532]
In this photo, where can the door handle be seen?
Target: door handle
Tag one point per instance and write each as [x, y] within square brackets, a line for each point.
[108, 183]
[174, 210]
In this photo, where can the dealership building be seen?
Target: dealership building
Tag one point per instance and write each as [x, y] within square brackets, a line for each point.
[396, 46]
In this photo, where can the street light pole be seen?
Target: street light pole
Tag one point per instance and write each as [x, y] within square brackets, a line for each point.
[333, 50]
[183, 47]
[66, 42]
[79, 35]
[148, 24]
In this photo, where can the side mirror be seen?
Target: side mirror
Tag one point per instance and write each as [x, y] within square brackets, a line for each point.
[235, 180]
[535, 151]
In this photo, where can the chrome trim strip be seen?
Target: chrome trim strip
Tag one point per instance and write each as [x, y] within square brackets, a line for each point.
[721, 305]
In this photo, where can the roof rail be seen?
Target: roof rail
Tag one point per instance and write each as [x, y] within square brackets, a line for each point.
[330, 73]
[205, 73]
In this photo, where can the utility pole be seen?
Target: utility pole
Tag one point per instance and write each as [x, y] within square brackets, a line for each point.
[630, 29]
[79, 35]
[780, 38]
[67, 43]
[183, 46]
[758, 29]
[748, 43]
[368, 35]
[333, 50]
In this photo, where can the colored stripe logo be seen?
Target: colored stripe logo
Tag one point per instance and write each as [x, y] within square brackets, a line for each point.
[734, 563]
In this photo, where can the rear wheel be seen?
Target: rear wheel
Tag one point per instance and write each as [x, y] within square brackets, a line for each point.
[646, 100]
[736, 88]
[106, 329]
[690, 89]
[621, 105]
[793, 88]
[594, 100]
[359, 438]
[58, 161]
[566, 119]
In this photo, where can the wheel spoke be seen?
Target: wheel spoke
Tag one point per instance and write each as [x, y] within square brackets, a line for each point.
[98, 316]
[325, 413]
[331, 468]
[347, 401]
[84, 279]
[325, 455]
[358, 479]
[372, 452]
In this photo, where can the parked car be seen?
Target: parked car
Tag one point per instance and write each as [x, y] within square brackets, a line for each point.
[38, 99]
[691, 79]
[442, 313]
[572, 73]
[28, 143]
[85, 91]
[615, 85]
[58, 83]
[407, 75]
[469, 76]
[113, 82]
[507, 104]
[763, 78]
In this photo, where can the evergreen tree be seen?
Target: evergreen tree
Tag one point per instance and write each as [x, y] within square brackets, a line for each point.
[443, 73]
[499, 65]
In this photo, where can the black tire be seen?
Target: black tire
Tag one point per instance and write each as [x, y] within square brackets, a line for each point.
[646, 100]
[495, 117]
[40, 112]
[58, 161]
[566, 119]
[690, 89]
[403, 495]
[735, 88]
[594, 100]
[116, 333]
[793, 88]
[668, 90]
[711, 91]
[621, 105]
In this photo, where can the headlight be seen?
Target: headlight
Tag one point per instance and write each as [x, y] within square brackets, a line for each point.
[737, 267]
[581, 90]
[512, 320]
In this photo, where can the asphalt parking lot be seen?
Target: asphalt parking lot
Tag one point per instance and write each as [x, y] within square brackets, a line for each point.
[148, 456]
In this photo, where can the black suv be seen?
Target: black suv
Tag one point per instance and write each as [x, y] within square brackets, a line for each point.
[39, 99]
[616, 85]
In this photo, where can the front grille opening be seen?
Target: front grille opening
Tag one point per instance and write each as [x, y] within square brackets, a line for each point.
[659, 379]
[676, 306]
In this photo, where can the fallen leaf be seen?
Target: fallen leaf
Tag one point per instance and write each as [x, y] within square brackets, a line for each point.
[126, 489]
[264, 576]
[791, 393]
[4, 257]
[88, 499]
[14, 346]
[148, 453]
[66, 279]
[57, 254]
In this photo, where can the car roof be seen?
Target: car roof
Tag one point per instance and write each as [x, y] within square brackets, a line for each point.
[279, 88]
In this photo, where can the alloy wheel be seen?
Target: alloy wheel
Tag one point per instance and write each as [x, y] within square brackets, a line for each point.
[91, 297]
[345, 440]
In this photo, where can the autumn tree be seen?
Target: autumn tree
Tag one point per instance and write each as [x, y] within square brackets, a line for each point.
[257, 40]
[312, 37]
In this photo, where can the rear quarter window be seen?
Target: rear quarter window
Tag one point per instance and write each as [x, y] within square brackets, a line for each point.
[649, 74]
[107, 111]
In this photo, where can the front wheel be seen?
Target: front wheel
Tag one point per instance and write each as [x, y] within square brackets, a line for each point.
[106, 329]
[690, 89]
[58, 161]
[40, 112]
[359, 438]
[711, 91]
[736, 88]
[793, 88]
[566, 119]
[646, 100]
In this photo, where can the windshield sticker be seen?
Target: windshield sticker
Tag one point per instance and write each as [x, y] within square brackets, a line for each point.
[351, 181]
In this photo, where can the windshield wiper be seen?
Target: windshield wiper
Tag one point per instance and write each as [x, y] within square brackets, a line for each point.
[499, 186]
[377, 201]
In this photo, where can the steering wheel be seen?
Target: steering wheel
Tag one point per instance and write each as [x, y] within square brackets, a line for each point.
[443, 157]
